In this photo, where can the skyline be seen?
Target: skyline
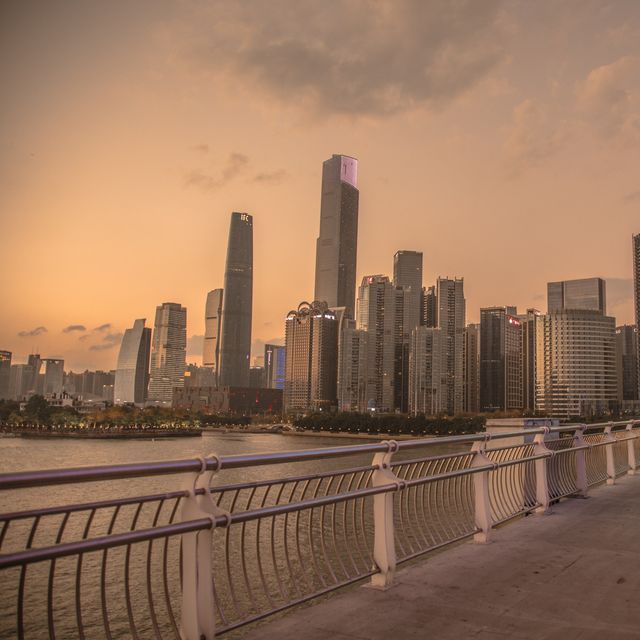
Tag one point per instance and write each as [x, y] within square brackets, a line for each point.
[532, 152]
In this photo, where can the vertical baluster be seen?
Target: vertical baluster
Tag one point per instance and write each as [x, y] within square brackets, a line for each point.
[608, 448]
[482, 501]
[541, 467]
[631, 449]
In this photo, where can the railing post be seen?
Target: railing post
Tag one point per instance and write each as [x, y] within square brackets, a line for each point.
[582, 483]
[631, 449]
[482, 501]
[611, 465]
[384, 545]
[542, 477]
[198, 606]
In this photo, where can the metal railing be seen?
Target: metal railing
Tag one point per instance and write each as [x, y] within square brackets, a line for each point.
[208, 558]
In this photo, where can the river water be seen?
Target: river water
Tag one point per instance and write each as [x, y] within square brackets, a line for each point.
[20, 454]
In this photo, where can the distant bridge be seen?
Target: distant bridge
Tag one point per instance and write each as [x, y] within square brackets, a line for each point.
[207, 557]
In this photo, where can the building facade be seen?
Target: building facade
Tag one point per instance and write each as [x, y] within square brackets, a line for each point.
[428, 383]
[528, 321]
[168, 352]
[451, 319]
[575, 363]
[235, 346]
[337, 244]
[5, 374]
[586, 293]
[311, 354]
[132, 370]
[429, 307]
[472, 368]
[212, 331]
[636, 292]
[352, 368]
[52, 376]
[627, 362]
[274, 363]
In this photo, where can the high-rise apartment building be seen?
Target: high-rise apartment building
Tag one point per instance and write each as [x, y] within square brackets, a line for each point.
[337, 244]
[53, 376]
[407, 273]
[35, 385]
[627, 362]
[212, 330]
[586, 293]
[376, 316]
[5, 374]
[20, 381]
[168, 352]
[472, 368]
[429, 307]
[428, 380]
[636, 292]
[528, 321]
[132, 370]
[274, 362]
[235, 346]
[451, 319]
[352, 368]
[501, 386]
[311, 353]
[575, 363]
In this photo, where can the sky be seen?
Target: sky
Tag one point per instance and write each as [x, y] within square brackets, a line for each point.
[500, 138]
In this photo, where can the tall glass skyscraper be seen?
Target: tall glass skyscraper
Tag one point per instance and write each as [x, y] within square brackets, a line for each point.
[168, 352]
[212, 326]
[235, 346]
[636, 289]
[337, 244]
[132, 372]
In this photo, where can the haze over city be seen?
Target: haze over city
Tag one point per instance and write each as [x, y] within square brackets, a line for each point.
[502, 140]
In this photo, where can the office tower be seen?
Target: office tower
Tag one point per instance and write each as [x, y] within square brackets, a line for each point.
[586, 293]
[627, 362]
[20, 381]
[575, 363]
[429, 307]
[256, 378]
[405, 320]
[274, 362]
[352, 368]
[5, 374]
[132, 370]
[451, 319]
[500, 360]
[212, 326]
[235, 346]
[472, 368]
[168, 352]
[311, 347]
[53, 376]
[407, 272]
[428, 384]
[376, 315]
[636, 292]
[35, 385]
[528, 321]
[337, 244]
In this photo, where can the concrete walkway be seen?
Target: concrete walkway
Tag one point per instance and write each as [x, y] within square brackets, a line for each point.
[572, 575]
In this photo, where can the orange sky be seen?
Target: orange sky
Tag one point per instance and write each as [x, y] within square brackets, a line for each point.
[502, 139]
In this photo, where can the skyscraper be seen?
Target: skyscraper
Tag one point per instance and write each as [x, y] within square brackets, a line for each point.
[274, 362]
[235, 346]
[575, 363]
[500, 360]
[451, 319]
[472, 368]
[376, 315]
[53, 377]
[407, 272]
[427, 371]
[311, 348]
[627, 355]
[132, 371]
[586, 293]
[636, 292]
[168, 352]
[429, 307]
[212, 326]
[529, 320]
[5, 374]
[337, 244]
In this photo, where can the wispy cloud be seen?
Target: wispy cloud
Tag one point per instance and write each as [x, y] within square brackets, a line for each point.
[271, 177]
[109, 341]
[632, 197]
[235, 165]
[201, 148]
[74, 327]
[103, 327]
[38, 331]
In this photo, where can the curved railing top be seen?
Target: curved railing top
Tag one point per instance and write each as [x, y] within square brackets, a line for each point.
[48, 477]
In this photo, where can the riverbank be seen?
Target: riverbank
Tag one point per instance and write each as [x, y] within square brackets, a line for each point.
[148, 434]
[268, 430]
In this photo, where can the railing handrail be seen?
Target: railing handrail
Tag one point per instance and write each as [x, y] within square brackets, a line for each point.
[49, 477]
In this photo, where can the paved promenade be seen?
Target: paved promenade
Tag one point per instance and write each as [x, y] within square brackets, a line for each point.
[572, 575]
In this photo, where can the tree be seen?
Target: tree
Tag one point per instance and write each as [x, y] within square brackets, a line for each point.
[37, 409]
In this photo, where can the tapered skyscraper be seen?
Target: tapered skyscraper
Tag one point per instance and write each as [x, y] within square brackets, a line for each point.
[337, 244]
[132, 373]
[235, 346]
[212, 326]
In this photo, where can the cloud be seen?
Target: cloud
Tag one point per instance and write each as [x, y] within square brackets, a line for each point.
[531, 138]
[354, 57]
[201, 148]
[38, 331]
[272, 177]
[103, 327]
[235, 165]
[74, 327]
[632, 197]
[609, 98]
[109, 341]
